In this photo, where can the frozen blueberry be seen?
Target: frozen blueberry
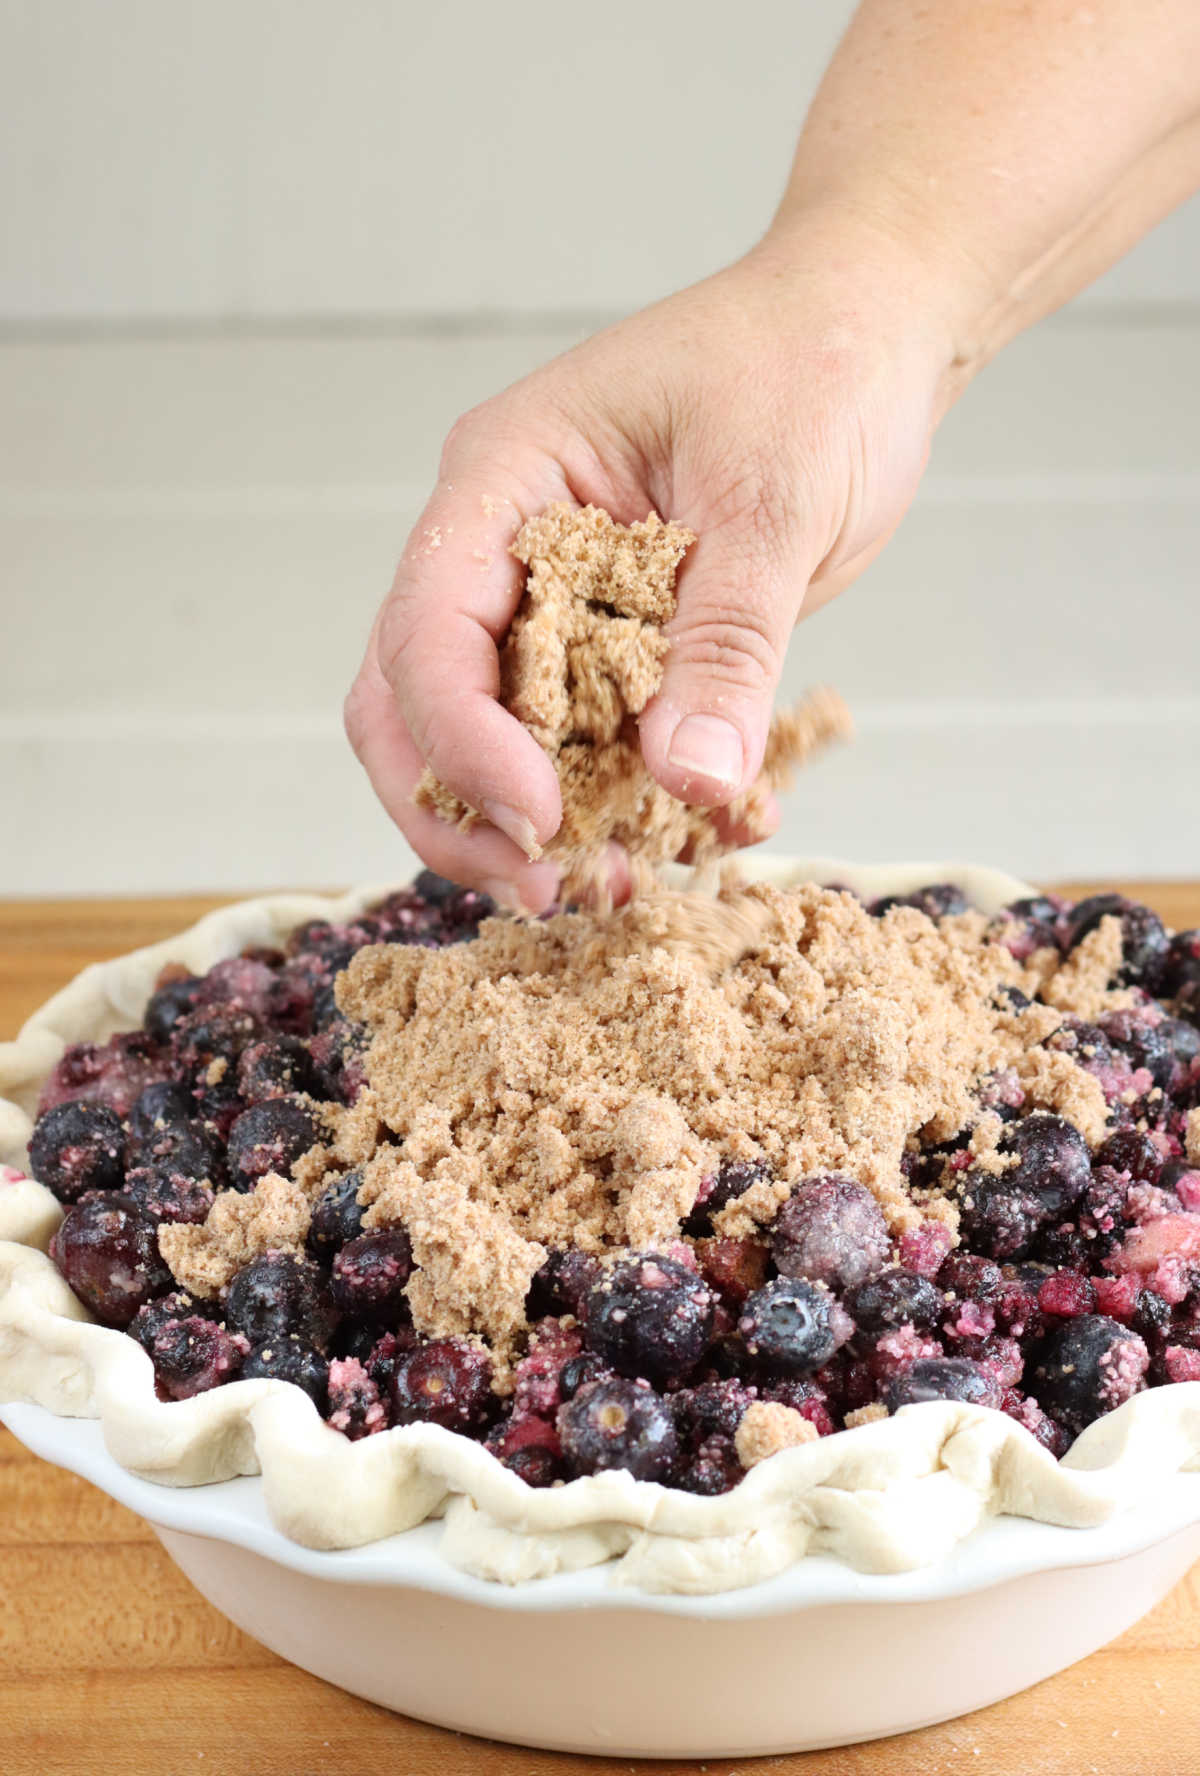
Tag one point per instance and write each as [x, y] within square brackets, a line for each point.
[355, 1405]
[618, 1423]
[163, 1194]
[649, 1316]
[188, 1149]
[713, 1469]
[336, 1216]
[787, 1326]
[275, 1068]
[587, 1366]
[191, 1355]
[530, 1447]
[998, 1218]
[437, 891]
[1086, 1367]
[161, 1106]
[1025, 926]
[734, 1177]
[287, 1358]
[713, 1409]
[969, 1277]
[369, 1274]
[831, 1230]
[172, 1001]
[277, 1296]
[937, 900]
[446, 1381]
[338, 1052]
[1144, 1043]
[108, 1253]
[149, 1320]
[942, 1378]
[1151, 1318]
[1129, 1150]
[206, 1045]
[562, 1285]
[1052, 1159]
[77, 1147]
[895, 1298]
[1143, 939]
[269, 1137]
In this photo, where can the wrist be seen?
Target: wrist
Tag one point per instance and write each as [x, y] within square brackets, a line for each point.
[890, 271]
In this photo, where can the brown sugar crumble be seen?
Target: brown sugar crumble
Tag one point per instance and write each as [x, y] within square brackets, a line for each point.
[583, 657]
[571, 1082]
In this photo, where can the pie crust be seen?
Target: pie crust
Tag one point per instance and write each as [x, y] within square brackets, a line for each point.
[888, 1496]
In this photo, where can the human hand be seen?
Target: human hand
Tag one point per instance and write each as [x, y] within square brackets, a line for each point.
[782, 409]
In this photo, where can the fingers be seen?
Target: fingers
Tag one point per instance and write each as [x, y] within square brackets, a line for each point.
[704, 733]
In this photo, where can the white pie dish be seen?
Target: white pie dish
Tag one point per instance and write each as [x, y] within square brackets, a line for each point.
[1012, 1601]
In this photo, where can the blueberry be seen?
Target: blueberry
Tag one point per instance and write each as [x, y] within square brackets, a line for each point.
[191, 1355]
[188, 1149]
[355, 1406]
[1052, 1159]
[734, 1177]
[1128, 1150]
[563, 1284]
[158, 1108]
[1086, 1367]
[937, 900]
[895, 1298]
[163, 1194]
[269, 1137]
[713, 1409]
[1025, 926]
[618, 1423]
[277, 1296]
[108, 1253]
[942, 1378]
[649, 1316]
[369, 1275]
[436, 890]
[1151, 1318]
[830, 1230]
[1182, 1038]
[712, 1470]
[1181, 964]
[1145, 1044]
[275, 1068]
[336, 1216]
[969, 1277]
[290, 1359]
[172, 1001]
[77, 1147]
[205, 1047]
[587, 1366]
[1143, 939]
[787, 1326]
[997, 1218]
[149, 1320]
[338, 1052]
[446, 1381]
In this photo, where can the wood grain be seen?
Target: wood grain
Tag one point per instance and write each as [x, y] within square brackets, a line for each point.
[110, 1662]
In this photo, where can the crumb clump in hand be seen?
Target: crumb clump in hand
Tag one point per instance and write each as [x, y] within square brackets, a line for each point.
[583, 657]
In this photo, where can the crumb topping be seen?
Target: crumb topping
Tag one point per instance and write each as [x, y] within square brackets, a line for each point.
[583, 657]
[767, 1427]
[571, 1082]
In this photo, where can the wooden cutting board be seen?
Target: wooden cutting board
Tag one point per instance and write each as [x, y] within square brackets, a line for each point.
[111, 1663]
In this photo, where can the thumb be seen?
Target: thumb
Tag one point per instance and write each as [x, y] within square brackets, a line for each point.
[703, 734]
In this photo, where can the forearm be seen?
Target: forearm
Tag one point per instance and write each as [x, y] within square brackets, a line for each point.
[1015, 149]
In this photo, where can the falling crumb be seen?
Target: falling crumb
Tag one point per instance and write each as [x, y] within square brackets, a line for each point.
[583, 657]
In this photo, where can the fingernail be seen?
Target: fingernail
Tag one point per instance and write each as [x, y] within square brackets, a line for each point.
[518, 827]
[707, 746]
[505, 894]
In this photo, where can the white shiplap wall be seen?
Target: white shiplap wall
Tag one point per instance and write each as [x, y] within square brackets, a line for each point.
[196, 520]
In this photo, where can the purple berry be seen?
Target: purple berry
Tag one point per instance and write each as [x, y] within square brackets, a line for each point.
[172, 1001]
[77, 1147]
[712, 1470]
[369, 1275]
[447, 1381]
[1086, 1367]
[649, 1316]
[336, 1217]
[831, 1230]
[788, 1326]
[943, 1378]
[108, 1253]
[163, 1194]
[734, 1177]
[161, 1106]
[562, 1285]
[278, 1296]
[290, 1359]
[1143, 939]
[618, 1423]
[275, 1068]
[356, 1407]
[895, 1298]
[1128, 1150]
[193, 1355]
[270, 1137]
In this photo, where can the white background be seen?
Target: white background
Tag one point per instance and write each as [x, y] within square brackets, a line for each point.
[258, 254]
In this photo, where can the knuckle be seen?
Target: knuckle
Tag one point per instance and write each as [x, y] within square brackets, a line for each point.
[355, 717]
[732, 645]
[463, 437]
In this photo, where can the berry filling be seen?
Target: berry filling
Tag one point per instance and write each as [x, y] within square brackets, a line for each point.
[1066, 1279]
